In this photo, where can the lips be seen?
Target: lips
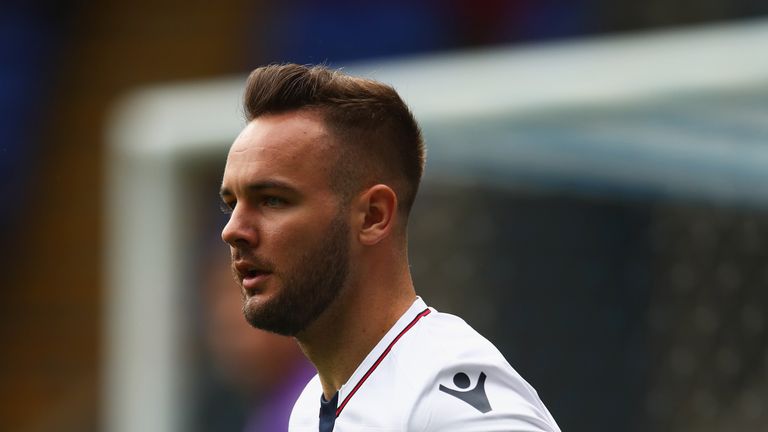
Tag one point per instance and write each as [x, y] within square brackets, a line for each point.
[250, 276]
[252, 280]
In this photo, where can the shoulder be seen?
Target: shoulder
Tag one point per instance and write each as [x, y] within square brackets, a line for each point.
[305, 410]
[443, 341]
[466, 383]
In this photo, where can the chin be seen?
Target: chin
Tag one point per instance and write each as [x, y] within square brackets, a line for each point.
[253, 304]
[258, 313]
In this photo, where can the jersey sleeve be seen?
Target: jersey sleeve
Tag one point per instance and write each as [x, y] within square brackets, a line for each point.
[475, 397]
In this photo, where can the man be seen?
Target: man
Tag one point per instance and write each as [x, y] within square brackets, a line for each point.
[266, 370]
[319, 184]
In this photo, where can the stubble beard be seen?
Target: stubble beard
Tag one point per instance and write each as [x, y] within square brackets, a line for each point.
[309, 288]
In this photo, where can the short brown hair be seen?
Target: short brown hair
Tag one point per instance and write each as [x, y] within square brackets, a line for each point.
[380, 139]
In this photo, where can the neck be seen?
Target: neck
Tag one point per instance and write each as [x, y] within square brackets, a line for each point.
[340, 339]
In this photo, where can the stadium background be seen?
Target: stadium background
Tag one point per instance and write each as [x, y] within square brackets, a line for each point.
[625, 312]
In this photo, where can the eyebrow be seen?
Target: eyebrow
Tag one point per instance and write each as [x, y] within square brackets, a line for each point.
[259, 186]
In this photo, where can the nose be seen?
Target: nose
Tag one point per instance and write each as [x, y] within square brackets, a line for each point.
[239, 230]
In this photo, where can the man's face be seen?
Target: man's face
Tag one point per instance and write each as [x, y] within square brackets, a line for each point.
[288, 236]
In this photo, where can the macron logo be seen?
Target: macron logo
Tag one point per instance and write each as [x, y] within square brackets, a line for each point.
[475, 397]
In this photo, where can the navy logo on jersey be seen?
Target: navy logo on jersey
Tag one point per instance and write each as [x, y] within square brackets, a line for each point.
[475, 397]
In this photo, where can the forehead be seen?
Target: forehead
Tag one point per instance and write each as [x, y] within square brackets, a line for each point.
[293, 146]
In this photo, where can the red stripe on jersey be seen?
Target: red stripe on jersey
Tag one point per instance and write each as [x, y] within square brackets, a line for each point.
[424, 313]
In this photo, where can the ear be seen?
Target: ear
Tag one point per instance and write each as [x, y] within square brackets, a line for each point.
[377, 208]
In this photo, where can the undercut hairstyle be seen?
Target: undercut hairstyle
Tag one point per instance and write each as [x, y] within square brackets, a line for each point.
[378, 138]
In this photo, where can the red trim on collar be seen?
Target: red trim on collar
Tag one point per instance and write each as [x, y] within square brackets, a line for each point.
[423, 313]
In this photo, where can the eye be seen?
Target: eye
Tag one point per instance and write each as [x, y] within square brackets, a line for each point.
[226, 207]
[273, 201]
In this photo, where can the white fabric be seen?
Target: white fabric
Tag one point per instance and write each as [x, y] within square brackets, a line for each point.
[403, 392]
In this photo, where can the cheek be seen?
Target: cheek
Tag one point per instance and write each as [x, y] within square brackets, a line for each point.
[290, 234]
[290, 238]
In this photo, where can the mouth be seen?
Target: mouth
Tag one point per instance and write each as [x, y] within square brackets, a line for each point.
[251, 273]
[252, 279]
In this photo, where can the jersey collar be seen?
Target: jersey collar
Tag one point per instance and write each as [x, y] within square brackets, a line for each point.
[368, 366]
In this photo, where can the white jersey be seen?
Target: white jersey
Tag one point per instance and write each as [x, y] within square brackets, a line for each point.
[430, 372]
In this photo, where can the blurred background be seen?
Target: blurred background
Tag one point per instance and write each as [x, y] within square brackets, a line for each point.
[631, 302]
